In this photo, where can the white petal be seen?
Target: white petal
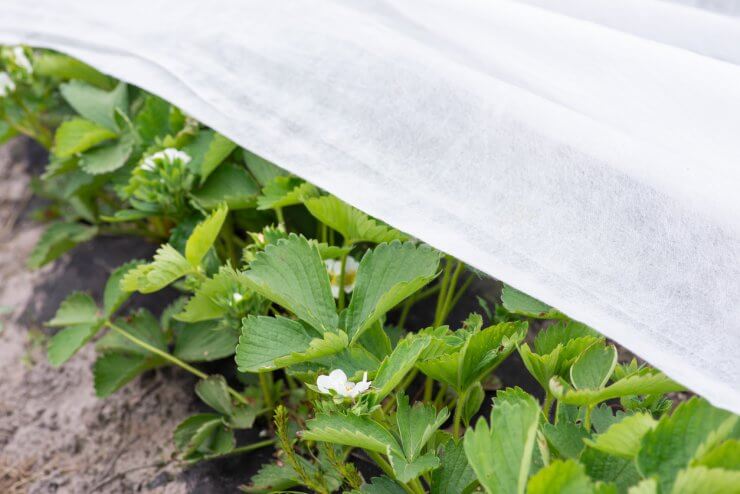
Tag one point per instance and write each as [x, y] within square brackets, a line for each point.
[335, 290]
[338, 376]
[351, 265]
[324, 383]
[333, 267]
[347, 288]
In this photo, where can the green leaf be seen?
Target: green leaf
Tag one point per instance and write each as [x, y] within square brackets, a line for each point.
[502, 454]
[395, 366]
[208, 150]
[143, 326]
[565, 438]
[518, 302]
[283, 191]
[455, 475]
[292, 275]
[215, 393]
[215, 296]
[381, 485]
[62, 67]
[204, 235]
[153, 120]
[78, 135]
[202, 436]
[96, 104]
[201, 343]
[108, 158]
[58, 239]
[112, 371]
[78, 308]
[386, 276]
[473, 402]
[354, 225]
[486, 349]
[358, 431]
[407, 470]
[416, 425]
[168, 265]
[376, 340]
[701, 480]
[68, 341]
[642, 384]
[645, 486]
[126, 215]
[263, 170]
[608, 468]
[725, 455]
[230, 184]
[679, 438]
[623, 438]
[562, 333]
[594, 367]
[273, 477]
[329, 344]
[113, 296]
[563, 477]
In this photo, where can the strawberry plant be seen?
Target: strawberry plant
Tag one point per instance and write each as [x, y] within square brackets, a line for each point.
[304, 303]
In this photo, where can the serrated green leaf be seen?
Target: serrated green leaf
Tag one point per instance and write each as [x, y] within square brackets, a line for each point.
[416, 425]
[645, 486]
[623, 438]
[153, 120]
[112, 371]
[473, 402]
[168, 265]
[68, 341]
[107, 158]
[186, 429]
[285, 191]
[518, 302]
[95, 104]
[202, 436]
[724, 455]
[608, 468]
[200, 342]
[230, 184]
[204, 235]
[354, 225]
[272, 477]
[486, 349]
[407, 470]
[376, 341]
[501, 454]
[645, 384]
[263, 170]
[126, 215]
[359, 431]
[62, 67]
[208, 150]
[561, 333]
[455, 475]
[215, 393]
[214, 296]
[594, 367]
[542, 367]
[329, 344]
[292, 275]
[143, 326]
[677, 439]
[563, 477]
[77, 309]
[565, 438]
[701, 480]
[386, 276]
[58, 239]
[381, 485]
[395, 366]
[113, 296]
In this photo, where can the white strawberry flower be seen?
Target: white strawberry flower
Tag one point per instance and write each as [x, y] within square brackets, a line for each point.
[238, 297]
[21, 60]
[338, 383]
[334, 267]
[170, 155]
[7, 85]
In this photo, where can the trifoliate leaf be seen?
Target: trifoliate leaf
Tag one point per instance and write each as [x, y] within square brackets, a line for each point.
[96, 104]
[701, 480]
[563, 477]
[623, 438]
[594, 367]
[78, 308]
[416, 425]
[208, 150]
[263, 170]
[518, 302]
[608, 468]
[283, 191]
[230, 184]
[204, 235]
[386, 276]
[69, 340]
[112, 371]
[202, 436]
[292, 275]
[354, 225]
[501, 454]
[168, 265]
[200, 342]
[407, 470]
[113, 296]
[359, 431]
[58, 239]
[455, 475]
[215, 393]
[680, 437]
[108, 158]
[395, 366]
[565, 438]
[724, 455]
[645, 384]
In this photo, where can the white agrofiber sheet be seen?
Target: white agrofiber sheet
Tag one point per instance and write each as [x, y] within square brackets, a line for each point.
[586, 152]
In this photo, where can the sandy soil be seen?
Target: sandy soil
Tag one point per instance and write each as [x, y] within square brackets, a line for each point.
[55, 435]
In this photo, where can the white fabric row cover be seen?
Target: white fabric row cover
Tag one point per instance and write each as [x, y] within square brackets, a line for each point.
[585, 151]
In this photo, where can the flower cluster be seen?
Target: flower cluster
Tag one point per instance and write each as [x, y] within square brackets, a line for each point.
[161, 182]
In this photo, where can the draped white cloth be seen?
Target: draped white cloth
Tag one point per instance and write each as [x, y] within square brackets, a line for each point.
[585, 151]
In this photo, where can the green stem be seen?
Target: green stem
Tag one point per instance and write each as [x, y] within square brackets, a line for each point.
[439, 399]
[442, 292]
[547, 405]
[405, 311]
[428, 388]
[387, 469]
[340, 303]
[247, 448]
[459, 406]
[280, 217]
[447, 307]
[172, 359]
[460, 292]
[587, 419]
[266, 386]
